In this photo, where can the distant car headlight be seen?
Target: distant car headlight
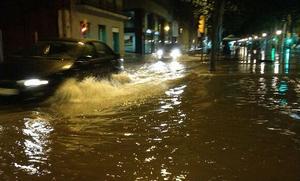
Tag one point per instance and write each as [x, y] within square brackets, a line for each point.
[160, 53]
[175, 53]
[33, 82]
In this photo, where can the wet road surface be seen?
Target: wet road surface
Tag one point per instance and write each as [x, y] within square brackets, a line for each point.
[161, 121]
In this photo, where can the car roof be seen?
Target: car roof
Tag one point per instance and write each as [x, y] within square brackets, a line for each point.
[74, 40]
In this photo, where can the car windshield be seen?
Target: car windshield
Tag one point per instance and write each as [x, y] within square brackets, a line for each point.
[52, 49]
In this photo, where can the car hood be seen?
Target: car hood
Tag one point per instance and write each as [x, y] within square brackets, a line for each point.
[20, 68]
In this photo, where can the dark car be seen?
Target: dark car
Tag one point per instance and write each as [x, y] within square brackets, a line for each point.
[40, 69]
[168, 51]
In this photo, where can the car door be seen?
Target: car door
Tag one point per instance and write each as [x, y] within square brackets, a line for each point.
[86, 63]
[105, 57]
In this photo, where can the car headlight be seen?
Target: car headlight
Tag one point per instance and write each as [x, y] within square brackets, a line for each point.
[160, 52]
[175, 53]
[33, 82]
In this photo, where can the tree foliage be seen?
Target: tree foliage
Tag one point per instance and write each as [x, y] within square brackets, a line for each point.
[203, 7]
[251, 16]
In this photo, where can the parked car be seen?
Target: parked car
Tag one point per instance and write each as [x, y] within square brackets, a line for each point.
[168, 51]
[40, 69]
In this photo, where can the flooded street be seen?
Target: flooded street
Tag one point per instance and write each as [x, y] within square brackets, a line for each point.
[170, 120]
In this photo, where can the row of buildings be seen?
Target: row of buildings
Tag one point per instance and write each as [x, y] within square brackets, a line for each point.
[134, 26]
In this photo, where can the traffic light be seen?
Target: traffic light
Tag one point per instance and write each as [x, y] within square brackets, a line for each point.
[201, 25]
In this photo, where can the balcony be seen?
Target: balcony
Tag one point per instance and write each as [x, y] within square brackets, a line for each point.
[115, 6]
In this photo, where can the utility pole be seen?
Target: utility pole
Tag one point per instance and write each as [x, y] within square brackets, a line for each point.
[216, 32]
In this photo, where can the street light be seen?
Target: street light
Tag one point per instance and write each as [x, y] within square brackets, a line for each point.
[278, 32]
[264, 35]
[255, 37]
[148, 31]
[167, 28]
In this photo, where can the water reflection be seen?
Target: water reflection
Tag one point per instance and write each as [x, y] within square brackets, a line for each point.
[262, 68]
[287, 60]
[158, 71]
[274, 64]
[277, 93]
[157, 160]
[36, 146]
[263, 55]
[283, 88]
[216, 127]
[276, 67]
[173, 100]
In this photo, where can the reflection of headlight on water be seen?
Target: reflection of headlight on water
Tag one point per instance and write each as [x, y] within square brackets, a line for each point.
[172, 67]
[160, 53]
[175, 53]
[33, 82]
[176, 66]
[158, 67]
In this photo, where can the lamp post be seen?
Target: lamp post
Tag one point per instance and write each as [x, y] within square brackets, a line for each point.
[167, 29]
[263, 52]
[279, 38]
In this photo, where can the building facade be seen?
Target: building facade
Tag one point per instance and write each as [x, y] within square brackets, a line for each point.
[150, 24]
[24, 22]
[99, 19]
[156, 22]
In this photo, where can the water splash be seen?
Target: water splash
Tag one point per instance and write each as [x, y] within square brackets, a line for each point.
[93, 95]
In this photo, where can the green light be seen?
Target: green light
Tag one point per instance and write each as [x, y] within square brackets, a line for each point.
[287, 60]
[289, 41]
[287, 55]
[283, 88]
[273, 53]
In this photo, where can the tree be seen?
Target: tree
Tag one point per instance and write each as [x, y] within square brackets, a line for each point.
[216, 32]
[203, 7]
[245, 17]
[215, 10]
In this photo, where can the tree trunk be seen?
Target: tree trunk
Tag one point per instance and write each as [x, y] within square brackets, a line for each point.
[216, 32]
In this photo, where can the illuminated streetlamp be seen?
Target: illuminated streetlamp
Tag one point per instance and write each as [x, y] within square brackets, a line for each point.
[148, 31]
[167, 28]
[264, 35]
[278, 32]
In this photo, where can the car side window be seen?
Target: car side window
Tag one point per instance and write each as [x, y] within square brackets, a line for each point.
[102, 50]
[88, 52]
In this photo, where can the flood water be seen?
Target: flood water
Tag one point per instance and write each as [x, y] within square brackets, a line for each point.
[159, 120]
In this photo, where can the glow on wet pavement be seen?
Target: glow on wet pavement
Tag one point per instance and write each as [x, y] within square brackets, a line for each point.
[162, 121]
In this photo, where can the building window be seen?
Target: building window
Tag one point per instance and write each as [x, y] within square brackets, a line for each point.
[85, 29]
[131, 22]
[130, 42]
[116, 40]
[102, 33]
